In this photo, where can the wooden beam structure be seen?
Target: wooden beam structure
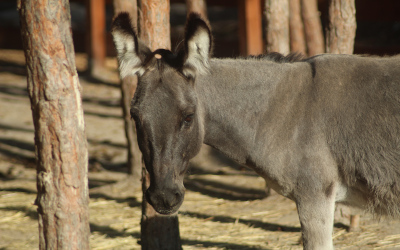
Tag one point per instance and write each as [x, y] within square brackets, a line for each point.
[250, 27]
[96, 35]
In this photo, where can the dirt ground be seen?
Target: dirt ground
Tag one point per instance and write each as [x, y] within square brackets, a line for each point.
[225, 205]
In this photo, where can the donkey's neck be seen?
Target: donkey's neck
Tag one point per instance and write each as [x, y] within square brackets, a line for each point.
[235, 97]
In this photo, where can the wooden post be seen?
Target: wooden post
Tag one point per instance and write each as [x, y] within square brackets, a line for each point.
[296, 27]
[341, 30]
[96, 35]
[157, 232]
[60, 140]
[312, 27]
[277, 28]
[250, 27]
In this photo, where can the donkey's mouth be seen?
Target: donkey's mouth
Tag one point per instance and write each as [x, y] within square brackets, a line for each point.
[169, 211]
[166, 210]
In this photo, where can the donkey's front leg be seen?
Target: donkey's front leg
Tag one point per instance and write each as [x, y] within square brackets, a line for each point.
[316, 214]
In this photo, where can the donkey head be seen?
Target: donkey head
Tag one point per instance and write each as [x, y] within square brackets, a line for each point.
[165, 107]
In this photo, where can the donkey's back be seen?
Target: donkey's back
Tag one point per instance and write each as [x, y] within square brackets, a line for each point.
[331, 133]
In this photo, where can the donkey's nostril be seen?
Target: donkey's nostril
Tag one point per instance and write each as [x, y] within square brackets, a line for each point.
[171, 199]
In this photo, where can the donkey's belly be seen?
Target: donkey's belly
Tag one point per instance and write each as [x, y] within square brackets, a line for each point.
[342, 192]
[355, 196]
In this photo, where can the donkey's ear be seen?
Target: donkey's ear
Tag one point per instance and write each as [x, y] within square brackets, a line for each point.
[130, 51]
[198, 44]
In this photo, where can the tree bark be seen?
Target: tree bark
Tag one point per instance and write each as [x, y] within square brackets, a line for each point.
[312, 27]
[154, 25]
[296, 27]
[341, 29]
[60, 140]
[129, 6]
[157, 232]
[134, 161]
[128, 88]
[277, 26]
[340, 34]
[198, 6]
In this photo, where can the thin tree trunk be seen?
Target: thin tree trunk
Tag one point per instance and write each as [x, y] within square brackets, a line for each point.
[60, 140]
[340, 34]
[128, 88]
[96, 36]
[277, 34]
[199, 6]
[277, 26]
[250, 27]
[134, 161]
[296, 27]
[157, 232]
[154, 26]
[129, 6]
[341, 29]
[312, 27]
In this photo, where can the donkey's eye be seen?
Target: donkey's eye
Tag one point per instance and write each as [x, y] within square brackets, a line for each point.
[188, 119]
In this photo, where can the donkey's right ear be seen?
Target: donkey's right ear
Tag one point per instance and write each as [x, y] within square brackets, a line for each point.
[130, 51]
[198, 46]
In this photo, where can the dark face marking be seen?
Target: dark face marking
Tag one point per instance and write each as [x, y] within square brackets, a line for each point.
[165, 107]
[169, 132]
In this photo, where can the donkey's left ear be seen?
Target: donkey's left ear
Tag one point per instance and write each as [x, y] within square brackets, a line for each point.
[198, 46]
[130, 50]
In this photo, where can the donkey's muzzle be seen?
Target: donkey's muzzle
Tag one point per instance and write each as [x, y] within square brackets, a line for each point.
[165, 201]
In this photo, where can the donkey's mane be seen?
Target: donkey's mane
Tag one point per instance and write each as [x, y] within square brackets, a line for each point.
[175, 59]
[278, 57]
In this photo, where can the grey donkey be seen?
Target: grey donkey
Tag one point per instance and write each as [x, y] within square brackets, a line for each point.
[320, 130]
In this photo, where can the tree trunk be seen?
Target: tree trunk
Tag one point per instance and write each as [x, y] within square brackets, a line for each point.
[134, 161]
[129, 6]
[341, 29]
[128, 88]
[60, 140]
[296, 27]
[340, 35]
[277, 26]
[198, 6]
[154, 23]
[312, 27]
[157, 232]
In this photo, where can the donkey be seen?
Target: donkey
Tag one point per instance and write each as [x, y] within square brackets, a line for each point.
[319, 130]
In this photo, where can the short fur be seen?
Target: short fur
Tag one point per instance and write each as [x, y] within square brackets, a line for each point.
[320, 130]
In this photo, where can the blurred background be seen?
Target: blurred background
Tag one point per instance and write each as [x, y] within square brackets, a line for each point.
[378, 25]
